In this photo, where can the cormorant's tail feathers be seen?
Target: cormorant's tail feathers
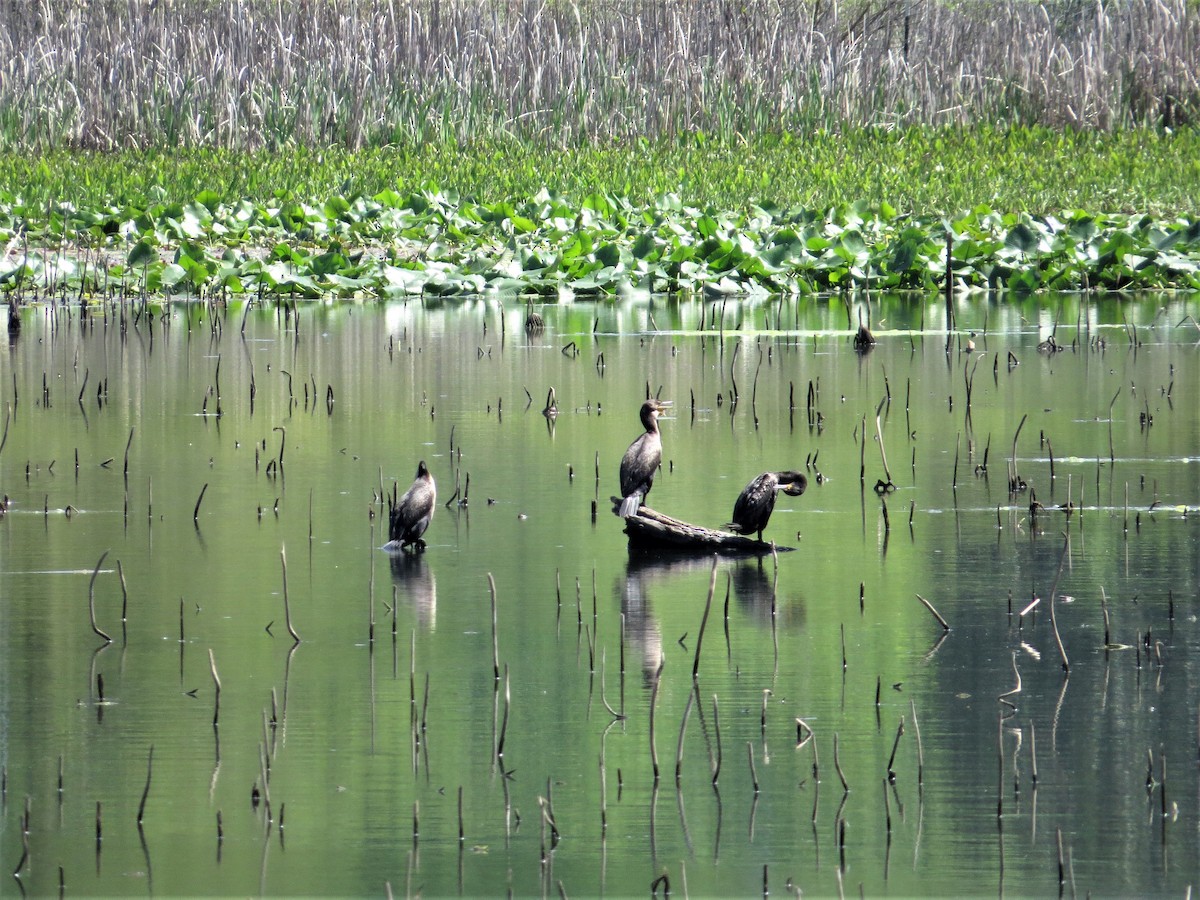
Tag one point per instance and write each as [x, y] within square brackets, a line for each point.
[630, 505]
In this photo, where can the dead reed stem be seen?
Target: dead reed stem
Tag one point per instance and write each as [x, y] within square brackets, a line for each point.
[716, 771]
[196, 509]
[753, 770]
[879, 434]
[504, 720]
[495, 636]
[1014, 478]
[146, 790]
[712, 587]
[920, 748]
[287, 607]
[92, 598]
[937, 615]
[653, 703]
[837, 764]
[1066, 664]
[1003, 698]
[895, 745]
[687, 711]
[212, 667]
[387, 71]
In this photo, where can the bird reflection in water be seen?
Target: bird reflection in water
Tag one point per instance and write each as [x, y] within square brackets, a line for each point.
[755, 590]
[415, 583]
[749, 580]
[641, 628]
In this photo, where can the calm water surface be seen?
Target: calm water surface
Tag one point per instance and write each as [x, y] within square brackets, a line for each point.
[339, 765]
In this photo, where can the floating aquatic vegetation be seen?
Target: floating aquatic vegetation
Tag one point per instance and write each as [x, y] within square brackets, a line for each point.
[434, 242]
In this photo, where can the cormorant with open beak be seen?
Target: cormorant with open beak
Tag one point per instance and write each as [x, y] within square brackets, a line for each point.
[641, 460]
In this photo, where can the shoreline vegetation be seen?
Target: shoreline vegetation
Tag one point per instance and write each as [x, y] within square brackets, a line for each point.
[346, 148]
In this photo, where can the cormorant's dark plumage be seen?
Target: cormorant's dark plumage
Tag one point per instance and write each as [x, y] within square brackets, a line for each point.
[754, 506]
[411, 514]
[641, 461]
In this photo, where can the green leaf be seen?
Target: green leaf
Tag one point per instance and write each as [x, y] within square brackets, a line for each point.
[1022, 238]
[141, 254]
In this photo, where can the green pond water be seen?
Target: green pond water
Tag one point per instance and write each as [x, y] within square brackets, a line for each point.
[189, 448]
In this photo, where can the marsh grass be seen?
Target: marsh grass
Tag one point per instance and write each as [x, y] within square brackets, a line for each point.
[918, 169]
[250, 74]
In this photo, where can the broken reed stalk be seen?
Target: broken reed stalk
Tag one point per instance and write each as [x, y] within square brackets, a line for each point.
[954, 477]
[892, 759]
[1033, 754]
[1014, 478]
[999, 766]
[862, 450]
[712, 587]
[196, 510]
[920, 749]
[717, 730]
[653, 702]
[128, 443]
[753, 770]
[1003, 698]
[1066, 664]
[504, 721]
[146, 789]
[1062, 869]
[937, 615]
[92, 598]
[1111, 403]
[837, 764]
[495, 638]
[124, 593]
[212, 666]
[1162, 782]
[687, 711]
[287, 607]
[879, 434]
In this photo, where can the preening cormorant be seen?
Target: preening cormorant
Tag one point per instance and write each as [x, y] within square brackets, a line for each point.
[641, 460]
[410, 515]
[753, 508]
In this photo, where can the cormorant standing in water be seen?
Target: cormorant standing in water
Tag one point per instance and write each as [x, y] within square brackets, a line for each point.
[753, 508]
[641, 460]
[410, 515]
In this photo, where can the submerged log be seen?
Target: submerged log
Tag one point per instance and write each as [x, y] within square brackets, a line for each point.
[649, 528]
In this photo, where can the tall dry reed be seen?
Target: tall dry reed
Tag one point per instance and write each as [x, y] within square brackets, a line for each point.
[254, 73]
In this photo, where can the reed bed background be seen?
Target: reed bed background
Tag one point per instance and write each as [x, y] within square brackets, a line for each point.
[250, 74]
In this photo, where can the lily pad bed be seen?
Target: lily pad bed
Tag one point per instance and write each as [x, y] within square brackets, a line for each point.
[434, 242]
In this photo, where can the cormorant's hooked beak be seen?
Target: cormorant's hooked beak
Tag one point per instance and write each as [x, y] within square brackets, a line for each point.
[797, 486]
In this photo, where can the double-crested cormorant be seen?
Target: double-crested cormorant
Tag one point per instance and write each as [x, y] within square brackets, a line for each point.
[411, 514]
[641, 460]
[753, 508]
